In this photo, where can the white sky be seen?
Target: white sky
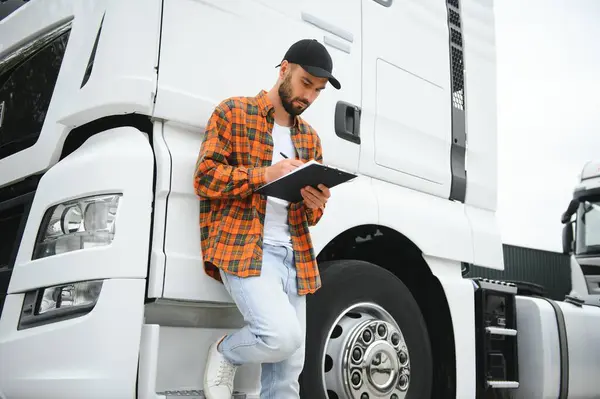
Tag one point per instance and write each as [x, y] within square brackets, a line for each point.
[548, 54]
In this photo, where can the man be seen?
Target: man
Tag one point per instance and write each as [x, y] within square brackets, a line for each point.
[260, 248]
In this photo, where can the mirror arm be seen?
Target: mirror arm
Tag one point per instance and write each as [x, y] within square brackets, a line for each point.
[571, 209]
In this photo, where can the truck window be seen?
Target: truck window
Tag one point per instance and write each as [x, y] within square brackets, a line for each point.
[7, 7]
[26, 87]
[592, 225]
[588, 237]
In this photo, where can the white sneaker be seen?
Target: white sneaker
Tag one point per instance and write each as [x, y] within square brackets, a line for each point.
[218, 375]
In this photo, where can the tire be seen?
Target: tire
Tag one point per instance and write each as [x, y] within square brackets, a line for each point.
[350, 282]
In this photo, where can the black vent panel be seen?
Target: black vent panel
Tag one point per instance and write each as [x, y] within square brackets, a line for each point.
[458, 188]
[453, 17]
[458, 97]
[457, 66]
[455, 37]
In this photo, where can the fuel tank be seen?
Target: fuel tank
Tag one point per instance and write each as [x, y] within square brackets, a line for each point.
[559, 348]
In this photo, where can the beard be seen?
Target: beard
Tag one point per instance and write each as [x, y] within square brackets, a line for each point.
[287, 100]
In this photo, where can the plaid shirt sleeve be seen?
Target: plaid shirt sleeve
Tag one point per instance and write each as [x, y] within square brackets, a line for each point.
[313, 215]
[214, 177]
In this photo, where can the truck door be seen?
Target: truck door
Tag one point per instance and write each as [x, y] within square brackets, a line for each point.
[336, 113]
[406, 135]
[240, 60]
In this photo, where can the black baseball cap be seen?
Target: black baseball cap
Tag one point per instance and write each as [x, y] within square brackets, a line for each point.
[314, 58]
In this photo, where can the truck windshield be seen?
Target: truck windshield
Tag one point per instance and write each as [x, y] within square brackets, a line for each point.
[7, 7]
[588, 228]
[27, 80]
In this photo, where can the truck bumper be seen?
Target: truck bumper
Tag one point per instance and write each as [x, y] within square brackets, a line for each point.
[84, 357]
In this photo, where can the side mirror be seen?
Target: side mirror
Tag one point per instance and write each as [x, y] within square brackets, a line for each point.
[567, 238]
[571, 209]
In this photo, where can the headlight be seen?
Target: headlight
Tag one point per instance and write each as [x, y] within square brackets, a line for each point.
[61, 302]
[70, 296]
[77, 224]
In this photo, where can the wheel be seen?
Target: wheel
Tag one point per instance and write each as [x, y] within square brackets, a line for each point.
[365, 338]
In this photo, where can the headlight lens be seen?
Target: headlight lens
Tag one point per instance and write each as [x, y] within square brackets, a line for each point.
[77, 224]
[69, 296]
[58, 303]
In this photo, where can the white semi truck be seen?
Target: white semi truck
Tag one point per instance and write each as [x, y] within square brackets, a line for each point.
[581, 234]
[102, 289]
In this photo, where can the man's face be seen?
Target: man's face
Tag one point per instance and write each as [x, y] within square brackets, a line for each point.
[299, 89]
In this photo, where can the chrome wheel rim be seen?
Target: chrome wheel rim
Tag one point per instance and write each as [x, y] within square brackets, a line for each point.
[365, 355]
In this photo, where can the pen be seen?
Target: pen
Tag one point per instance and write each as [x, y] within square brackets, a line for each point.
[283, 155]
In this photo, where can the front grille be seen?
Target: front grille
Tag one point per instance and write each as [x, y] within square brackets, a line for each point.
[15, 202]
[590, 270]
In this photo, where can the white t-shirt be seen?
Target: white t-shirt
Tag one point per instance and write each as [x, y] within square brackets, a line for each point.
[277, 229]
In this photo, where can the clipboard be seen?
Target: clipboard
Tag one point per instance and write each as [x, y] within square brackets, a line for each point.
[311, 174]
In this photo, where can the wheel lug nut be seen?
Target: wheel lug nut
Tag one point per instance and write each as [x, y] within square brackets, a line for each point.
[381, 330]
[402, 357]
[403, 380]
[356, 378]
[364, 396]
[367, 336]
[394, 396]
[356, 354]
[395, 338]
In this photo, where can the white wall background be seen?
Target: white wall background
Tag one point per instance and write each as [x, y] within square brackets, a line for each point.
[548, 112]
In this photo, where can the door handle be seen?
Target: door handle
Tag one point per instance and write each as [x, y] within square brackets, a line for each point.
[347, 121]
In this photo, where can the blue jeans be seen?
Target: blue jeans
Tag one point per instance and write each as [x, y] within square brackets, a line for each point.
[276, 320]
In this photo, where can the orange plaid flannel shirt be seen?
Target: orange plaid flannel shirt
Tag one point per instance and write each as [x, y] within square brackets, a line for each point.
[236, 150]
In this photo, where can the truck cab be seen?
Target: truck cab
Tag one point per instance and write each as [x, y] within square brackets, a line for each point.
[103, 107]
[581, 234]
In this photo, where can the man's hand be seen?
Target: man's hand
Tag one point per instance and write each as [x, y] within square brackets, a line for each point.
[315, 199]
[281, 168]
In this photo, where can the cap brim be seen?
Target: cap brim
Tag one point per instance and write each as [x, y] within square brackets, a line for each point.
[321, 73]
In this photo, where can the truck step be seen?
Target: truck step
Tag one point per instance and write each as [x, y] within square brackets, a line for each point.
[503, 384]
[496, 336]
[195, 394]
[501, 331]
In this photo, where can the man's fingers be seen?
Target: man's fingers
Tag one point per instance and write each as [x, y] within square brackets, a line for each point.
[308, 194]
[295, 162]
[312, 193]
[324, 190]
[321, 192]
[307, 200]
[318, 194]
[310, 204]
[311, 198]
